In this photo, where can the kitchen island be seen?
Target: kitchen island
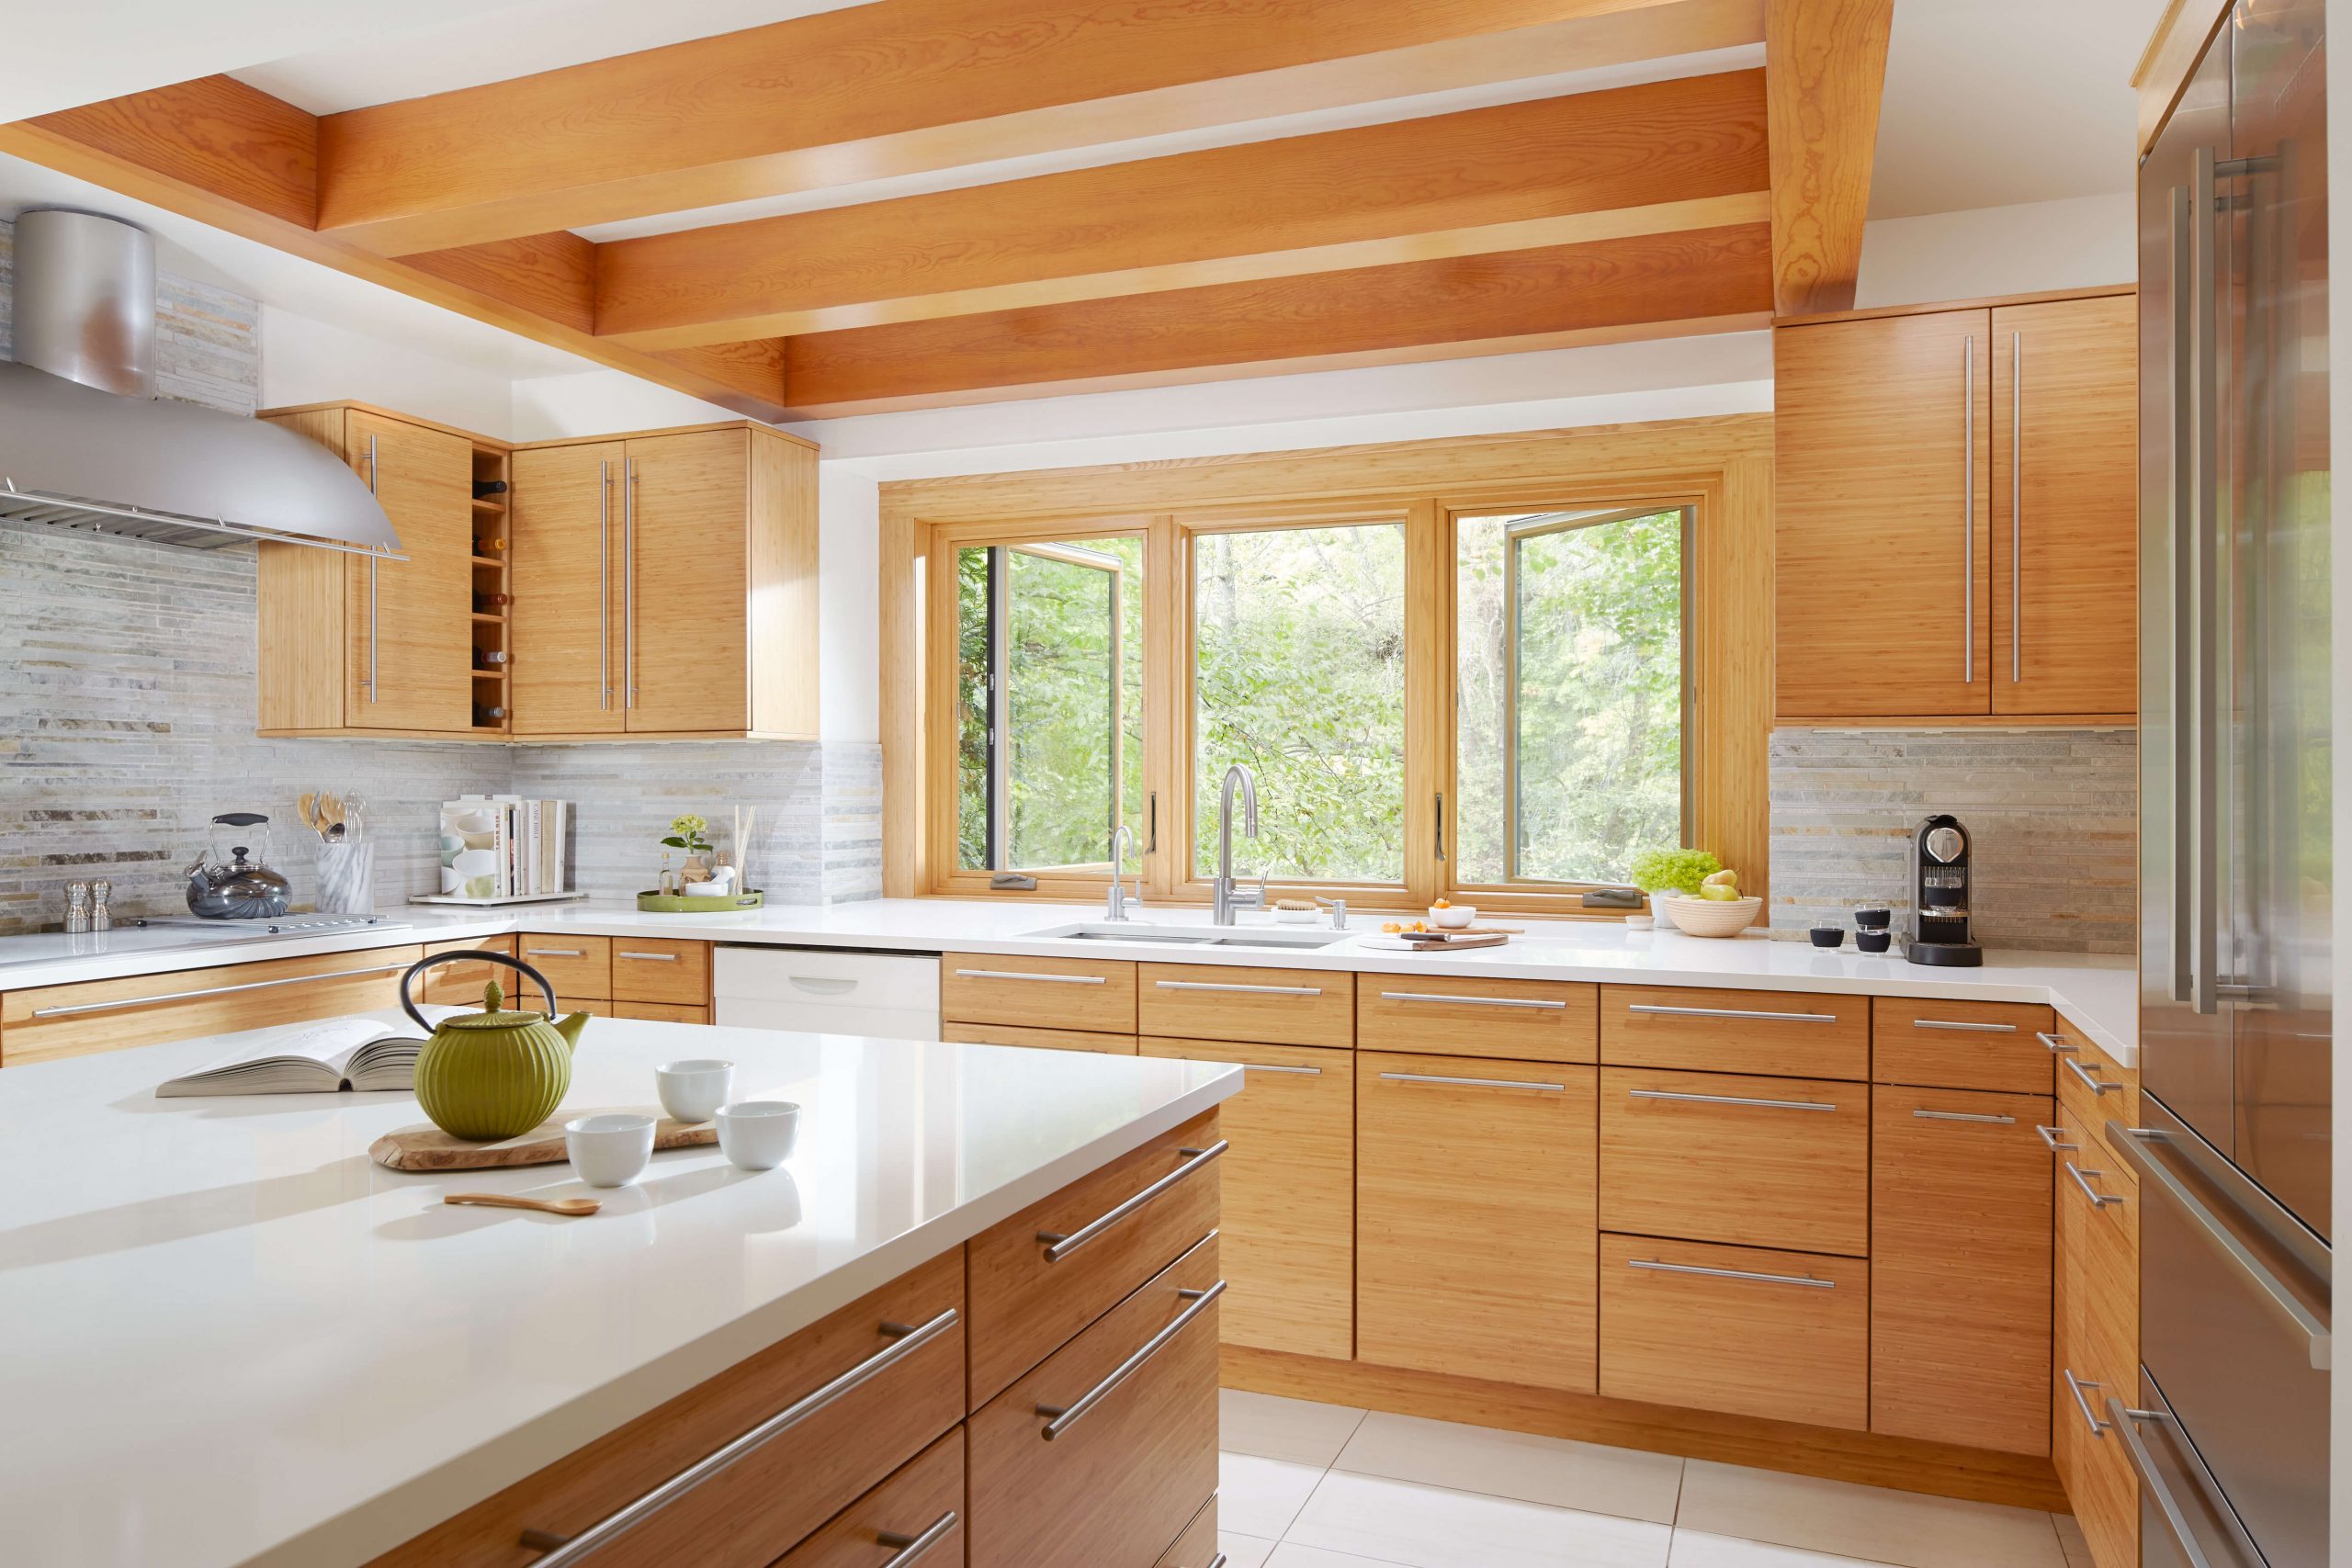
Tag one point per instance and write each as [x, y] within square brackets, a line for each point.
[233, 1339]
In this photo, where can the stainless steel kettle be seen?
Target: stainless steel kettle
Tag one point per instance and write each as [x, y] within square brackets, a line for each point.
[237, 888]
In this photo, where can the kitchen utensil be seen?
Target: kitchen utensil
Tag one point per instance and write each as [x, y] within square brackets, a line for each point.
[1433, 942]
[352, 819]
[236, 887]
[346, 877]
[611, 1150]
[423, 1146]
[571, 1207]
[1873, 920]
[1712, 916]
[77, 907]
[1873, 942]
[306, 805]
[493, 1074]
[1828, 936]
[1452, 917]
[1940, 893]
[758, 1135]
[693, 1090]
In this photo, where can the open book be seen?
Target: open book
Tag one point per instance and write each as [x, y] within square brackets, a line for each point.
[365, 1051]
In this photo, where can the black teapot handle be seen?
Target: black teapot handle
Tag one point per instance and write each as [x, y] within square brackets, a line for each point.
[408, 1003]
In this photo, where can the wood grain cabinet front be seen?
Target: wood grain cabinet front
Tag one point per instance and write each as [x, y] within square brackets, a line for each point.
[1040, 1039]
[1534, 1020]
[575, 965]
[916, 1516]
[2001, 1047]
[1475, 1229]
[1959, 1268]
[1197, 1548]
[1037, 993]
[2095, 1325]
[651, 970]
[460, 984]
[1102, 1455]
[1789, 1033]
[1288, 1231]
[1289, 1007]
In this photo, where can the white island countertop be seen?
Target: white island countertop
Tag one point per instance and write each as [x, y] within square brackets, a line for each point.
[233, 1339]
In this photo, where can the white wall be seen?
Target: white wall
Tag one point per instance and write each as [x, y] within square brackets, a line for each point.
[600, 402]
[2076, 243]
[308, 361]
[849, 519]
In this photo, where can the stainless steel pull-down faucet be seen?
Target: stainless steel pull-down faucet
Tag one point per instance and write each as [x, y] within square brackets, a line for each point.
[1223, 900]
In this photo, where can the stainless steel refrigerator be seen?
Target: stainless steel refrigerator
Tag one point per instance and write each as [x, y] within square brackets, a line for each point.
[2230, 1427]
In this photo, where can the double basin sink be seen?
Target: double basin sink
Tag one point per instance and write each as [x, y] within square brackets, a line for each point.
[1189, 936]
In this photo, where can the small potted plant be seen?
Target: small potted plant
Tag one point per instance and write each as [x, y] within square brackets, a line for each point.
[1662, 871]
[686, 833]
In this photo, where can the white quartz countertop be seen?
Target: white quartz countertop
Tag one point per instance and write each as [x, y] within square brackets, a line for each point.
[230, 1337]
[2098, 995]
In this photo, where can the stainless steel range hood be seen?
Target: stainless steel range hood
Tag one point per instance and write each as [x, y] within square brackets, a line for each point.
[85, 443]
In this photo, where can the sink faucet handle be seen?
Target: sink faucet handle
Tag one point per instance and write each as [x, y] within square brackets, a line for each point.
[1339, 908]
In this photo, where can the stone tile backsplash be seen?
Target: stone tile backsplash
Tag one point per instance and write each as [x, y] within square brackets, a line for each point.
[2053, 814]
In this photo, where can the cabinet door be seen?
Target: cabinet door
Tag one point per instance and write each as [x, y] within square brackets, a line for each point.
[1288, 1226]
[1959, 1268]
[687, 583]
[2066, 559]
[1475, 1218]
[409, 640]
[1882, 575]
[50, 1023]
[567, 609]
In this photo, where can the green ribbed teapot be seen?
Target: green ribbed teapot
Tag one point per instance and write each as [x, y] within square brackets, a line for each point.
[493, 1074]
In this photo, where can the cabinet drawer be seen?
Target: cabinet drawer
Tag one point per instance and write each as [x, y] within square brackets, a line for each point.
[1475, 1218]
[1059, 993]
[1534, 1020]
[920, 1508]
[1959, 1268]
[823, 1453]
[1781, 1033]
[662, 1012]
[1076, 1466]
[460, 984]
[661, 971]
[1042, 1039]
[1781, 1334]
[574, 966]
[1994, 1047]
[2092, 1092]
[50, 1023]
[1286, 1007]
[1288, 1227]
[1113, 1228]
[1197, 1548]
[2097, 1355]
[1757, 1162]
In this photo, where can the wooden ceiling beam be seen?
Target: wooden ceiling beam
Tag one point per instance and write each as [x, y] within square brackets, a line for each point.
[1686, 154]
[1824, 63]
[906, 87]
[1645, 286]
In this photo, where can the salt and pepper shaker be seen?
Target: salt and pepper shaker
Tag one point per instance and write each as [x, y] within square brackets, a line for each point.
[101, 912]
[77, 907]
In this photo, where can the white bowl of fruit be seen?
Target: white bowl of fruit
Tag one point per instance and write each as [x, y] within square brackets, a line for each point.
[1719, 908]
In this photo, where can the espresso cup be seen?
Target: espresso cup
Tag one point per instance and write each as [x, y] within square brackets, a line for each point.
[611, 1150]
[758, 1135]
[694, 1090]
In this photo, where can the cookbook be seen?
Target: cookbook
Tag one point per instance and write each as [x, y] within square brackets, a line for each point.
[363, 1051]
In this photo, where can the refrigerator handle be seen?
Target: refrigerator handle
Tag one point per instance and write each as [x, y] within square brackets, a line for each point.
[2203, 644]
[2179, 531]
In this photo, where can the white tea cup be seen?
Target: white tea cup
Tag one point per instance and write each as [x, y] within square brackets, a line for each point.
[611, 1150]
[694, 1090]
[758, 1135]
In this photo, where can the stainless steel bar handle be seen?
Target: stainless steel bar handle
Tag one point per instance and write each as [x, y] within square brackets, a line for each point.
[1064, 1416]
[1528, 1002]
[2179, 530]
[1279, 1068]
[604, 583]
[553, 953]
[2050, 1135]
[1731, 1100]
[2129, 1143]
[1221, 985]
[2090, 1080]
[1059, 1245]
[649, 957]
[2055, 1042]
[1806, 1281]
[1476, 1083]
[1219, 1560]
[2016, 506]
[1662, 1008]
[1958, 1024]
[373, 566]
[2152, 1479]
[1968, 513]
[2206, 650]
[913, 1549]
[564, 1551]
[2082, 1178]
[1926, 1115]
[2075, 1386]
[629, 582]
[1029, 975]
[120, 1003]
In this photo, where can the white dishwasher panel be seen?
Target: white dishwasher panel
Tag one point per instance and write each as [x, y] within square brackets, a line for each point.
[827, 991]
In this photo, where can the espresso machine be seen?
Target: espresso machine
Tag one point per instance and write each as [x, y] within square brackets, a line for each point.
[1939, 895]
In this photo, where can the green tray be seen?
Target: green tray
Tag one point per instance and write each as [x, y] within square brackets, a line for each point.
[691, 904]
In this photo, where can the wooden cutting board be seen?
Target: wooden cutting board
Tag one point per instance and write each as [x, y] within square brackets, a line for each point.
[427, 1148]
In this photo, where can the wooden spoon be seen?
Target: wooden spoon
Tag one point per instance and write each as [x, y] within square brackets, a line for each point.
[571, 1206]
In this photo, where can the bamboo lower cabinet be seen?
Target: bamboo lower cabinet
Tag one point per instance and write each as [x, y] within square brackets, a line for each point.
[2095, 1320]
[1475, 1231]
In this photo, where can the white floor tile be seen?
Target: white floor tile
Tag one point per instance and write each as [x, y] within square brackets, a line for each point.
[1696, 1548]
[1432, 1527]
[1290, 1554]
[2072, 1541]
[1260, 1497]
[1243, 1551]
[1586, 1476]
[1872, 1523]
[1273, 1427]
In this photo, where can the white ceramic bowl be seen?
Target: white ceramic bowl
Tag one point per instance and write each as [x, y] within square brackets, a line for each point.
[694, 1090]
[1455, 918]
[611, 1150]
[1714, 917]
[758, 1135]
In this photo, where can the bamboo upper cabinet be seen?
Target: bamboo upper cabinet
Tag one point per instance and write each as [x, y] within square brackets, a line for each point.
[353, 645]
[1954, 518]
[666, 584]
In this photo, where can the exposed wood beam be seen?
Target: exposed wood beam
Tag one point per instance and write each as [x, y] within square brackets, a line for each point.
[1647, 286]
[226, 154]
[1824, 64]
[903, 86]
[1686, 154]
